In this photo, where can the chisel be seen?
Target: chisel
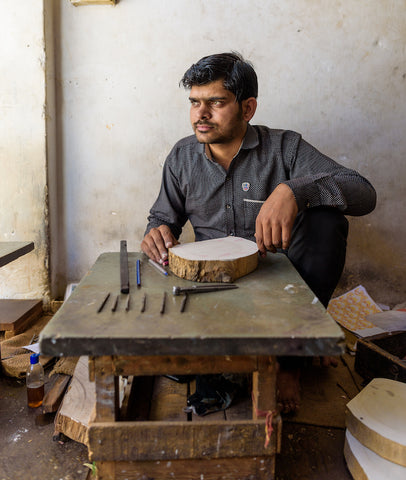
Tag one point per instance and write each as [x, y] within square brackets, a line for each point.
[124, 277]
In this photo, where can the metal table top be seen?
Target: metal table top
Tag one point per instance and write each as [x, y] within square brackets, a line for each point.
[273, 312]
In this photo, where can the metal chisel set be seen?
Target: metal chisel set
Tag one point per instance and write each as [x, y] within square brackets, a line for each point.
[176, 290]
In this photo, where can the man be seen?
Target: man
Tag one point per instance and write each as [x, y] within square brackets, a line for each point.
[266, 185]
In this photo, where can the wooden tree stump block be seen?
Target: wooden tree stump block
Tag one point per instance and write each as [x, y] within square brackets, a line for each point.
[216, 260]
[376, 417]
[364, 464]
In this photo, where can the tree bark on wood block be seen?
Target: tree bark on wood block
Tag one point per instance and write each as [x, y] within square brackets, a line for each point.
[216, 260]
[376, 418]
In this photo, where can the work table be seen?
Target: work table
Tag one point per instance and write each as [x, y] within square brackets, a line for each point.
[272, 312]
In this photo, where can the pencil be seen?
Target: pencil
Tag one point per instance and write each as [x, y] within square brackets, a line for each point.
[138, 273]
[158, 267]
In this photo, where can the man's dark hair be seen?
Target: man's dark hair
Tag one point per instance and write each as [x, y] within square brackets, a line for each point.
[238, 74]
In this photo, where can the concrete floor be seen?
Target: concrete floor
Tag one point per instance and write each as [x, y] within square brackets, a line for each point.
[27, 449]
[311, 448]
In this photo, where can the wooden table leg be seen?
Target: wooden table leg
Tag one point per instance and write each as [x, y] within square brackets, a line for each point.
[264, 396]
[107, 405]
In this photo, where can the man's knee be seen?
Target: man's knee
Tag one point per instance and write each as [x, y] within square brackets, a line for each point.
[316, 226]
[318, 249]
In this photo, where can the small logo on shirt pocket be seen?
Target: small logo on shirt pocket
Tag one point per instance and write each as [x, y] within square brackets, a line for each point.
[245, 186]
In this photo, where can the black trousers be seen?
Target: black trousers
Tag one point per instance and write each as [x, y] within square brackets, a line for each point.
[317, 251]
[318, 248]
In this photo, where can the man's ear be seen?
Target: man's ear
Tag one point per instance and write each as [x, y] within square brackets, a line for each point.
[249, 107]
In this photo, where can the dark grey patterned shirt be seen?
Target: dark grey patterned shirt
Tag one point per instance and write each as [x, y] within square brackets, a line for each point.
[220, 203]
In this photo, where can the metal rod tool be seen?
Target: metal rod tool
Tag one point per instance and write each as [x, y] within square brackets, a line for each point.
[163, 303]
[127, 307]
[114, 307]
[143, 303]
[183, 304]
[202, 288]
[103, 303]
[124, 277]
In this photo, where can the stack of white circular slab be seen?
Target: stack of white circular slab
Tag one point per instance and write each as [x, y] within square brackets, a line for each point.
[217, 260]
[375, 446]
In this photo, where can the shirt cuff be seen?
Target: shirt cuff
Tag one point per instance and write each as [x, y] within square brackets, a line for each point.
[316, 191]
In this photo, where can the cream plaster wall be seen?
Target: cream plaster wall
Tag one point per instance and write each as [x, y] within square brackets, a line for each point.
[23, 183]
[334, 71]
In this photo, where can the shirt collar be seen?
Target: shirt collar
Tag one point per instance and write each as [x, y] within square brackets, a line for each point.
[251, 138]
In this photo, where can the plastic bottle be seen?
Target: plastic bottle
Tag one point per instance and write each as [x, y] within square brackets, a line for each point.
[35, 382]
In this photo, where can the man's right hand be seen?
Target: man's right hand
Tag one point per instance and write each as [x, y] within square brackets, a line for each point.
[156, 243]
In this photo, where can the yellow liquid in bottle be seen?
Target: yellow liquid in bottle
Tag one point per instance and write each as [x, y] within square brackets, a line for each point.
[35, 396]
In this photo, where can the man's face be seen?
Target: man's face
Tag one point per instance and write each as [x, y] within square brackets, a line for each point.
[215, 115]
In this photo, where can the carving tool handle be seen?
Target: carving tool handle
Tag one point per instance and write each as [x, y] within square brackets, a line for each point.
[124, 277]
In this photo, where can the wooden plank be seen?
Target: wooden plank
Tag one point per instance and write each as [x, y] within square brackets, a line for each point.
[258, 468]
[216, 260]
[140, 441]
[77, 408]
[183, 364]
[376, 418]
[10, 251]
[364, 464]
[106, 471]
[18, 315]
[55, 392]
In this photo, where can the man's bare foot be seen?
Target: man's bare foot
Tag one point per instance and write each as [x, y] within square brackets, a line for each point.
[329, 362]
[288, 389]
[288, 384]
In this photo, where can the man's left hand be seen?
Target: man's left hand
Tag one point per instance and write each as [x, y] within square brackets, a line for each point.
[275, 220]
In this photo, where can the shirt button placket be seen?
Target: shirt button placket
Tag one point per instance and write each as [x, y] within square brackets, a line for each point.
[229, 206]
